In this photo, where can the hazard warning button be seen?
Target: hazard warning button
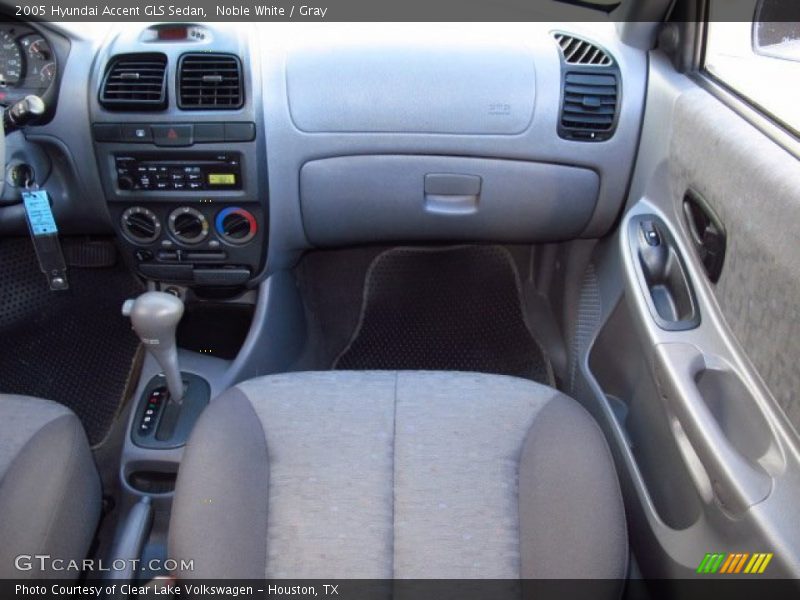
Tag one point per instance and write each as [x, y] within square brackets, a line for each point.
[172, 135]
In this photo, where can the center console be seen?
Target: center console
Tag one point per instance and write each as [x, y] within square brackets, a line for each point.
[181, 153]
[188, 216]
[178, 136]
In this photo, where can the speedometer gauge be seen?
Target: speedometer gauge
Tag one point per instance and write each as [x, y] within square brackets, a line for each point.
[10, 60]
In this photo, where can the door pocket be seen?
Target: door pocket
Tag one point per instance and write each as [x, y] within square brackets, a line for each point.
[730, 436]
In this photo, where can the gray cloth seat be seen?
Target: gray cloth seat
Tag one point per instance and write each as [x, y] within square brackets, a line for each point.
[49, 488]
[397, 475]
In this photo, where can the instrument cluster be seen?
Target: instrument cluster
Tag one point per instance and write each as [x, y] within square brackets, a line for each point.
[27, 63]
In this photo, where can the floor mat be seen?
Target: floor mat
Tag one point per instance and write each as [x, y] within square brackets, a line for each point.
[456, 308]
[74, 347]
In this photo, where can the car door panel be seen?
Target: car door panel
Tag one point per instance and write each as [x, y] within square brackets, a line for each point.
[754, 186]
[703, 415]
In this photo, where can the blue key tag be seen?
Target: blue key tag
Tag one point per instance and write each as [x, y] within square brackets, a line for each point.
[40, 217]
[44, 234]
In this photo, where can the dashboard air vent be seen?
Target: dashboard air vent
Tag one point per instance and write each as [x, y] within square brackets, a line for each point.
[580, 52]
[210, 81]
[135, 82]
[589, 105]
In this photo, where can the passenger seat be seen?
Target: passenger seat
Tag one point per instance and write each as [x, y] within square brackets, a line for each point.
[384, 475]
[49, 489]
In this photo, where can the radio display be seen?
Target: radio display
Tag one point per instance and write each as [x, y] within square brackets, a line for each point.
[190, 172]
[222, 179]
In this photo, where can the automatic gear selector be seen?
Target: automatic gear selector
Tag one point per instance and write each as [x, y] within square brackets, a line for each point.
[155, 317]
[172, 401]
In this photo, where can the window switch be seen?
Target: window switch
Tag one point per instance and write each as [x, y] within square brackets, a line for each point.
[651, 234]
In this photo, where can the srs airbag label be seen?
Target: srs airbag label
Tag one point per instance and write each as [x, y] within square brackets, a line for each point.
[37, 206]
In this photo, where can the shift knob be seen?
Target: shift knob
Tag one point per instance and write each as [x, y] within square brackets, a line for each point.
[155, 317]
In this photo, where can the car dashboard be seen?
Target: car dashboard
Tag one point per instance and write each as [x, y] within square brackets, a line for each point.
[217, 153]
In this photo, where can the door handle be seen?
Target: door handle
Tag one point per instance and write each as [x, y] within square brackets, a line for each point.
[706, 232]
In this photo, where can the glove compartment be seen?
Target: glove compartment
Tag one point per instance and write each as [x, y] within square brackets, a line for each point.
[364, 199]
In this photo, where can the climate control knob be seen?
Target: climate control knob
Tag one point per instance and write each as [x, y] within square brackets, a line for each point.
[140, 225]
[188, 225]
[236, 225]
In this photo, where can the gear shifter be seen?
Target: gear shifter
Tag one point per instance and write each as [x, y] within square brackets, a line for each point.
[155, 317]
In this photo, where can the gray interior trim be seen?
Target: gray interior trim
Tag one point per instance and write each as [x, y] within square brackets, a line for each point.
[405, 474]
[761, 278]
[22, 417]
[423, 89]
[549, 546]
[675, 543]
[496, 100]
[220, 517]
[291, 148]
[49, 500]
[131, 538]
[362, 199]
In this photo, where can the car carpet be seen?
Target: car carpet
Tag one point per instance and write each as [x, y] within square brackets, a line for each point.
[452, 308]
[72, 346]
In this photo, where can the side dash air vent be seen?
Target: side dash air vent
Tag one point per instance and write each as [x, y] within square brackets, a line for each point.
[589, 105]
[210, 82]
[576, 51]
[135, 82]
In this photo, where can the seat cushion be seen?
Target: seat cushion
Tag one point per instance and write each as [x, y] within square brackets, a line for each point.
[49, 487]
[398, 475]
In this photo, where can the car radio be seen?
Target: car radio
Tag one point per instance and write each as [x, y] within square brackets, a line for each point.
[197, 172]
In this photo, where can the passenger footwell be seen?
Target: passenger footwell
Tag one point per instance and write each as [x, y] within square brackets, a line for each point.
[454, 308]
